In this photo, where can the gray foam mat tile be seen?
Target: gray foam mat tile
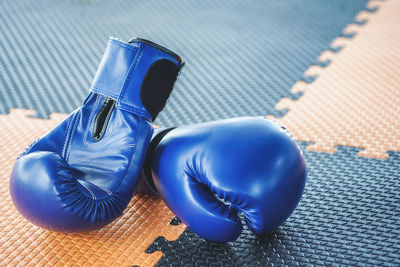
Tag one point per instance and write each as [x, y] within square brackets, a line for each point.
[241, 57]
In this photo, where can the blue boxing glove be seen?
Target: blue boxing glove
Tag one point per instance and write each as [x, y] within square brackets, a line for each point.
[82, 174]
[208, 173]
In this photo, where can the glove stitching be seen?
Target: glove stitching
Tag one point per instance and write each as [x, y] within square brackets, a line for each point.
[104, 189]
[111, 193]
[133, 109]
[94, 156]
[66, 134]
[91, 119]
[105, 92]
[71, 135]
[131, 73]
[26, 151]
[122, 44]
[94, 210]
[131, 156]
[91, 193]
[106, 137]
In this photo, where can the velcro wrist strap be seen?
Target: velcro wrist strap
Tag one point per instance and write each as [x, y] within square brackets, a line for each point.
[129, 73]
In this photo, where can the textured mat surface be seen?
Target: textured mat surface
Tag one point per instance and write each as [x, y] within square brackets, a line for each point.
[355, 101]
[241, 60]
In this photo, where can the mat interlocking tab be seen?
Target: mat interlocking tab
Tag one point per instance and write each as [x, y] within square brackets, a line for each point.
[355, 100]
[122, 243]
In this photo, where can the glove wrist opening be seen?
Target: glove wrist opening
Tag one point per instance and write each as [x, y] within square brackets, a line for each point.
[157, 86]
[155, 140]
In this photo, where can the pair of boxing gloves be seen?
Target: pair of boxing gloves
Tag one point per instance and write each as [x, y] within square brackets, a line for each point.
[81, 175]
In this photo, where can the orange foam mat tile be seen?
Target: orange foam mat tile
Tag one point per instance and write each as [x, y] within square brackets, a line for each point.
[122, 243]
[355, 100]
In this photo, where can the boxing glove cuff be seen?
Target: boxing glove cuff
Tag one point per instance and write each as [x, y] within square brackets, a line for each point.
[146, 183]
[138, 75]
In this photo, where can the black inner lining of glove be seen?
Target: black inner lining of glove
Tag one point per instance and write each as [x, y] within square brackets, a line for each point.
[159, 47]
[156, 139]
[157, 85]
[102, 118]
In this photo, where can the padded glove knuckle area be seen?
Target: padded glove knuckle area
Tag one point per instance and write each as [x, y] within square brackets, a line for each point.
[63, 202]
[36, 193]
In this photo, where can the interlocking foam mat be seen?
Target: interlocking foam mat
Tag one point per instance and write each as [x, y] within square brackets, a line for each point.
[327, 70]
